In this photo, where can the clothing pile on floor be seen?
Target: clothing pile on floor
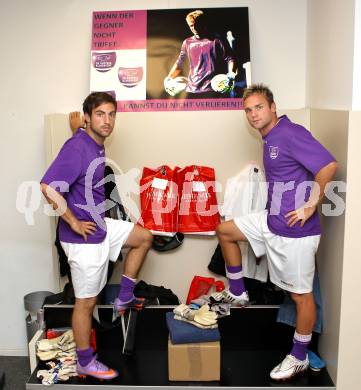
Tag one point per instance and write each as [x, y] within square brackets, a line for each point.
[215, 302]
[59, 371]
[197, 322]
[60, 356]
[202, 317]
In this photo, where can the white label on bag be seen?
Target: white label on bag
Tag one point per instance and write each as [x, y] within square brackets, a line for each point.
[160, 184]
[198, 186]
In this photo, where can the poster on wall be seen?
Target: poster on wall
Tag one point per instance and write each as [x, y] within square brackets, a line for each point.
[172, 60]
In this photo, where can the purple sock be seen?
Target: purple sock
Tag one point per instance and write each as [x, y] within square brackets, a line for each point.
[235, 279]
[126, 289]
[300, 343]
[85, 356]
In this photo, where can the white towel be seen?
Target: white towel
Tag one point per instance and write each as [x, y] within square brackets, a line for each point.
[246, 193]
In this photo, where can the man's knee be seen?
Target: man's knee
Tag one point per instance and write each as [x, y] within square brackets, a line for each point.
[300, 299]
[146, 238]
[85, 304]
[139, 238]
[229, 232]
[221, 231]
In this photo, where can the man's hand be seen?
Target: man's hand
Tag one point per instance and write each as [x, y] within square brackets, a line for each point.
[169, 86]
[302, 214]
[84, 228]
[174, 86]
[76, 120]
[231, 76]
[222, 83]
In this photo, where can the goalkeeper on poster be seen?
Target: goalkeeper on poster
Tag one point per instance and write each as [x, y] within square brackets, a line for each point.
[208, 57]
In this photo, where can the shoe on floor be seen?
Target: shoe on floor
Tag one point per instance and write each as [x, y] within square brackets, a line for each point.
[96, 369]
[226, 296]
[288, 368]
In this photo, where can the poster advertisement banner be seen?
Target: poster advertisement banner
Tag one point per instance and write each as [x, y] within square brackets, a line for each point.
[172, 60]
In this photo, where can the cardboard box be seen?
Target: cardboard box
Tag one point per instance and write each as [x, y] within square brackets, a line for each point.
[194, 362]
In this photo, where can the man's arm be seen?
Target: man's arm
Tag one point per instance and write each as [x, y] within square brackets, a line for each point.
[175, 71]
[232, 68]
[57, 201]
[323, 177]
[177, 67]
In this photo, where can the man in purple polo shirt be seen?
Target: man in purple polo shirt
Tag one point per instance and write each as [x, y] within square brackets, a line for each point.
[74, 186]
[297, 169]
[207, 55]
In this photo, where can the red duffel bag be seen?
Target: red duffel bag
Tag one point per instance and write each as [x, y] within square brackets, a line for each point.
[198, 208]
[159, 200]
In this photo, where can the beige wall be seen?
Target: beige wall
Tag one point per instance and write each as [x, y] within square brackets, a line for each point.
[356, 89]
[59, 83]
[225, 142]
[330, 53]
[331, 129]
[203, 138]
[350, 325]
[46, 70]
[333, 83]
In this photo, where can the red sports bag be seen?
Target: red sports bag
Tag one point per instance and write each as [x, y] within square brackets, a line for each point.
[198, 209]
[159, 200]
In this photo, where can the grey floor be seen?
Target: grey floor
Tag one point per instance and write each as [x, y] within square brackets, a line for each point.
[17, 371]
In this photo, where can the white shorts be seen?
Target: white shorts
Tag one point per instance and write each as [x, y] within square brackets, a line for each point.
[89, 262]
[291, 261]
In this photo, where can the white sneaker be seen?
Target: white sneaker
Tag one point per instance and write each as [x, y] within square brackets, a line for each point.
[226, 296]
[289, 367]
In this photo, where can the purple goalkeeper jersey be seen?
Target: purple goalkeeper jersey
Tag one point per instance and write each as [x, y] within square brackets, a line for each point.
[207, 57]
[291, 157]
[78, 174]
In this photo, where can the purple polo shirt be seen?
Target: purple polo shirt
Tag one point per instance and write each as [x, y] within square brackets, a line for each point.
[207, 57]
[291, 157]
[79, 167]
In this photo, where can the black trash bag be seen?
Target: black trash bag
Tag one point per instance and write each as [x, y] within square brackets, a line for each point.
[217, 264]
[156, 295]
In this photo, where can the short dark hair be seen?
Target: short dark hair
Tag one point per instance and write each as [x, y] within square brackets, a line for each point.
[95, 99]
[259, 89]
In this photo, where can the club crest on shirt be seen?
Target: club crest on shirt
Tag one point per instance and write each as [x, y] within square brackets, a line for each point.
[273, 152]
